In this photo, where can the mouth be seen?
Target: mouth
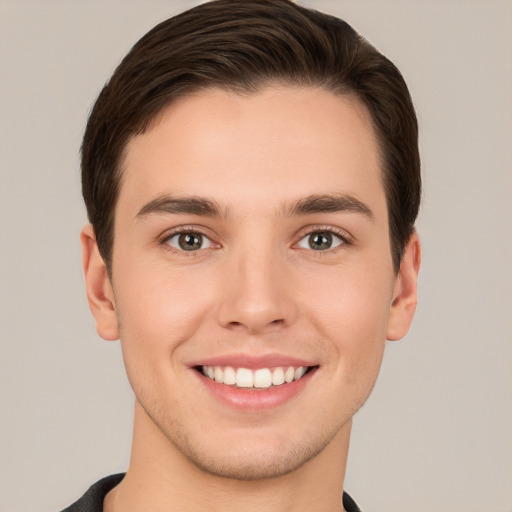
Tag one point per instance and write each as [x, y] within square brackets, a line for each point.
[254, 378]
[255, 383]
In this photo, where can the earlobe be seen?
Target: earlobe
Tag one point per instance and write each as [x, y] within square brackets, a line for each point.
[405, 294]
[99, 289]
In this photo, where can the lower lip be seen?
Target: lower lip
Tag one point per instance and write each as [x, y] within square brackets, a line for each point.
[253, 399]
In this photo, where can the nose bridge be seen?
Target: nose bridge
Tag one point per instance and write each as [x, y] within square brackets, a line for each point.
[254, 296]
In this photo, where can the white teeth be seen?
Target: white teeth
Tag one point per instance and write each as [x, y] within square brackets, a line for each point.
[277, 377]
[289, 375]
[261, 378]
[229, 376]
[219, 374]
[244, 378]
[299, 372]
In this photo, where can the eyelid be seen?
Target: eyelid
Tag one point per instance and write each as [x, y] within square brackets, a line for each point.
[163, 239]
[179, 230]
[343, 235]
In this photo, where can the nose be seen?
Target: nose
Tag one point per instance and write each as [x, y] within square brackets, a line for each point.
[257, 294]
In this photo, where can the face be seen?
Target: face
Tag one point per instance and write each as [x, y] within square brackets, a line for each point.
[252, 277]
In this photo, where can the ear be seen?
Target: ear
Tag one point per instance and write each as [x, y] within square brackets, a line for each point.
[99, 289]
[405, 294]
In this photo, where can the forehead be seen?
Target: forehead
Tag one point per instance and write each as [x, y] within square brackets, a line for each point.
[279, 143]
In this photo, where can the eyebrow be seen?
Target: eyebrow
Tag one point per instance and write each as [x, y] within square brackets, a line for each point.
[316, 203]
[184, 205]
[327, 203]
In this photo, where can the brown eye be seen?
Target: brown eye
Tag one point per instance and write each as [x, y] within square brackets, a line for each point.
[321, 241]
[189, 241]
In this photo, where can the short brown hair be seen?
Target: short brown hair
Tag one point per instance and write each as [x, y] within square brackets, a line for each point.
[242, 46]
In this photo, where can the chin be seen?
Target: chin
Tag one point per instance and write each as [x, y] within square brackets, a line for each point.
[245, 456]
[252, 464]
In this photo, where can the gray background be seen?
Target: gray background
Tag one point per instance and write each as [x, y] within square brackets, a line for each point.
[436, 435]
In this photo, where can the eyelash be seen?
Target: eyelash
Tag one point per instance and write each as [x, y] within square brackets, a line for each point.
[343, 236]
[184, 230]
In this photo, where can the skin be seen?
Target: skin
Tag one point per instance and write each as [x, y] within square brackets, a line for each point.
[255, 287]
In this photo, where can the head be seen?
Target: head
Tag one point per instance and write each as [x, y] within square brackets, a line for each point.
[251, 175]
[244, 47]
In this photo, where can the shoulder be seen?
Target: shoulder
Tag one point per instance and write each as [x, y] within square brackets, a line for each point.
[349, 504]
[92, 500]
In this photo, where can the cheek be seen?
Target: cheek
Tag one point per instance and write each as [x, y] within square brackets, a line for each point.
[159, 314]
[355, 303]
[160, 308]
[351, 311]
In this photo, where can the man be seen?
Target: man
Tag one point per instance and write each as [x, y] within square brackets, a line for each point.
[251, 175]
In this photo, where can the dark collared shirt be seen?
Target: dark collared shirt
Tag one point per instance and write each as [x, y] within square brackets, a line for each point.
[92, 500]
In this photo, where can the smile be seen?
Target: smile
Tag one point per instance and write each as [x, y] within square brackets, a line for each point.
[260, 378]
[253, 384]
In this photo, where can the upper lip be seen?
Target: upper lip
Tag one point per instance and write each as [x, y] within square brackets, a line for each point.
[250, 361]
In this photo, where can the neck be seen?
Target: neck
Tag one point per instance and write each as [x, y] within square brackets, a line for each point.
[161, 478]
